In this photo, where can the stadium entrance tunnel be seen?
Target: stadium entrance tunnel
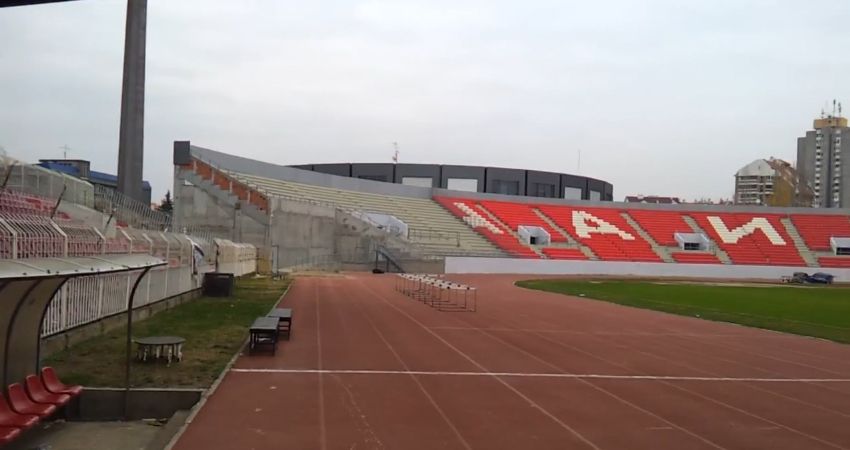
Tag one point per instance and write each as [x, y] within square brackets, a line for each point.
[841, 245]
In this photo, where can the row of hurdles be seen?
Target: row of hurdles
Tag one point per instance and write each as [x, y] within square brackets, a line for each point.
[29, 406]
[438, 293]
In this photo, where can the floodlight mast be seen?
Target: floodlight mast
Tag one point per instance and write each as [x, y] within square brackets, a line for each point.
[132, 126]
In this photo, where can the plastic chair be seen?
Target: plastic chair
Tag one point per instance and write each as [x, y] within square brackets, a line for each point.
[8, 434]
[52, 383]
[9, 418]
[39, 394]
[22, 404]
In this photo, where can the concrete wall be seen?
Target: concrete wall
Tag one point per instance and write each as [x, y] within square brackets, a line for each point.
[104, 404]
[306, 233]
[496, 176]
[196, 208]
[550, 179]
[418, 170]
[555, 267]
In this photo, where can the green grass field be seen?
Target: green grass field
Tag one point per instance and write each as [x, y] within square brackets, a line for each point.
[820, 311]
[214, 329]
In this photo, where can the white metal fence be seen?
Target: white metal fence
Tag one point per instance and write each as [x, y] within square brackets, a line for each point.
[31, 227]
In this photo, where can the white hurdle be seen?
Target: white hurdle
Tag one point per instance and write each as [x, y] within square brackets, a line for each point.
[438, 293]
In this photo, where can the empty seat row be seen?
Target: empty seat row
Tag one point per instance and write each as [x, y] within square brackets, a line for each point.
[834, 261]
[695, 258]
[816, 230]
[564, 253]
[28, 404]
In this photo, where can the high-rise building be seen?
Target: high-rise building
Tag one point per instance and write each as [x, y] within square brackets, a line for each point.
[769, 182]
[819, 161]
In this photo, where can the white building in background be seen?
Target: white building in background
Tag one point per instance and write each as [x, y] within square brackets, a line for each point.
[769, 182]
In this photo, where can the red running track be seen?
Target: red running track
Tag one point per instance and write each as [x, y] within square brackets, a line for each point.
[368, 368]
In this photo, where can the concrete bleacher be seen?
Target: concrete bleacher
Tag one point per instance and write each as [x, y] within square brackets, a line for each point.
[431, 227]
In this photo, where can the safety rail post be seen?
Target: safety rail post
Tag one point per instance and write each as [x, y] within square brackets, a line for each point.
[102, 240]
[11, 231]
[64, 237]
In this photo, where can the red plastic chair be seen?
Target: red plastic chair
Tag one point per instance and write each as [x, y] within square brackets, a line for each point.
[9, 418]
[52, 383]
[19, 401]
[39, 394]
[8, 434]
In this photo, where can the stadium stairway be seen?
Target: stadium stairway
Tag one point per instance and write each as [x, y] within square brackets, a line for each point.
[808, 256]
[718, 252]
[662, 252]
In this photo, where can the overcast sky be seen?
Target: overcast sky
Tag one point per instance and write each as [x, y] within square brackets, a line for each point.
[660, 97]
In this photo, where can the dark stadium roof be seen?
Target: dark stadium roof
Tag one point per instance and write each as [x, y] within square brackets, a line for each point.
[7, 3]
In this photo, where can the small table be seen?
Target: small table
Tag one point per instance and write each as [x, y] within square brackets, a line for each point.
[263, 332]
[284, 317]
[156, 347]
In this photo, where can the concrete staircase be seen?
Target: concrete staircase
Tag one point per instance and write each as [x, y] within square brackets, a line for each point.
[662, 252]
[808, 256]
[496, 220]
[721, 255]
[571, 242]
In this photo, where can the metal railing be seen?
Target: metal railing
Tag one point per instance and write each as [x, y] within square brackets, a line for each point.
[129, 211]
[31, 179]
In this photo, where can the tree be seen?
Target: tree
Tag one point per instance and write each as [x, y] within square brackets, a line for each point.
[166, 205]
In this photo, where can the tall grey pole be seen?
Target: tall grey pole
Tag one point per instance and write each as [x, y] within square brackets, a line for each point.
[132, 133]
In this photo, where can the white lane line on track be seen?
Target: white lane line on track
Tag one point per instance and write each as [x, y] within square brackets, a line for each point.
[597, 376]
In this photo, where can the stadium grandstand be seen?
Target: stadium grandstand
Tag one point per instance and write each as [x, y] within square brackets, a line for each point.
[306, 216]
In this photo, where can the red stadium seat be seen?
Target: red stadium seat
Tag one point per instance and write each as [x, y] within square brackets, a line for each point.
[564, 253]
[604, 230]
[516, 214]
[39, 394]
[695, 258]
[834, 261]
[54, 385]
[817, 229]
[8, 434]
[10, 418]
[22, 404]
[753, 239]
[661, 226]
[477, 219]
